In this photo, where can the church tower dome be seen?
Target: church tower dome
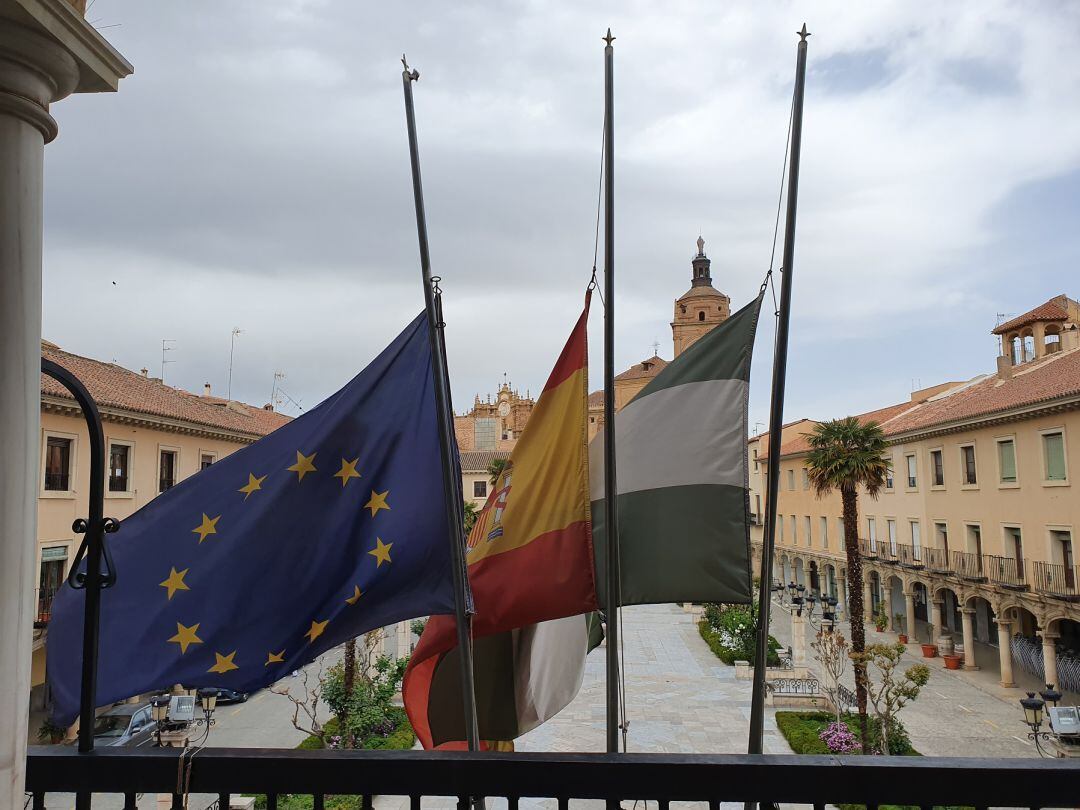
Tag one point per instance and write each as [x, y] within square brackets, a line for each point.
[702, 307]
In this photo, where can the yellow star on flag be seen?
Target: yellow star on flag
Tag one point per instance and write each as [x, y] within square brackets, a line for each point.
[175, 582]
[224, 663]
[274, 658]
[254, 484]
[206, 528]
[347, 471]
[316, 629]
[304, 465]
[381, 552]
[377, 502]
[352, 600]
[185, 636]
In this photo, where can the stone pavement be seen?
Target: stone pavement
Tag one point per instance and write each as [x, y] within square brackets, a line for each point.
[957, 713]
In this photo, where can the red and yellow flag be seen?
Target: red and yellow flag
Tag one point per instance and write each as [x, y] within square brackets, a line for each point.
[530, 560]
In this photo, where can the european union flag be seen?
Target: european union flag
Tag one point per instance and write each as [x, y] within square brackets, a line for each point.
[331, 526]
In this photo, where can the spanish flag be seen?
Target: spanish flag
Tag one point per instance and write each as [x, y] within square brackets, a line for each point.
[530, 563]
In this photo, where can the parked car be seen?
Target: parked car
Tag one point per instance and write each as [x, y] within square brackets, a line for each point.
[128, 724]
[231, 696]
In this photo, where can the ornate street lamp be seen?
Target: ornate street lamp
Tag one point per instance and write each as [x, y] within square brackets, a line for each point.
[1033, 716]
[208, 698]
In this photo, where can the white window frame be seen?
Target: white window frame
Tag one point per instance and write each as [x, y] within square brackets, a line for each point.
[963, 465]
[890, 474]
[1049, 529]
[840, 531]
[890, 534]
[73, 466]
[791, 480]
[213, 455]
[805, 478]
[130, 491]
[940, 450]
[1046, 482]
[824, 531]
[794, 531]
[871, 530]
[917, 545]
[479, 481]
[167, 448]
[998, 441]
[808, 526]
[911, 460]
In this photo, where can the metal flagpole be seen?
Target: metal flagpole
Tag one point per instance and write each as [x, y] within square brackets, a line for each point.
[776, 416]
[611, 511]
[451, 482]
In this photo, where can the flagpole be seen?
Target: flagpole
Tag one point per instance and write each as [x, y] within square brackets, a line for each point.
[451, 479]
[611, 511]
[776, 415]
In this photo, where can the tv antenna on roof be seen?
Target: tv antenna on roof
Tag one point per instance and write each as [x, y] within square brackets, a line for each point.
[232, 345]
[275, 397]
[655, 347]
[165, 348]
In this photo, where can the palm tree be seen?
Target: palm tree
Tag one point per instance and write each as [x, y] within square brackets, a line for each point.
[846, 454]
[470, 516]
[495, 469]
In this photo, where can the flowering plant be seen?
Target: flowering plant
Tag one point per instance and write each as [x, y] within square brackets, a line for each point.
[839, 738]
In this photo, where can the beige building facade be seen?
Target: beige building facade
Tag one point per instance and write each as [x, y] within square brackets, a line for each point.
[155, 437]
[973, 540]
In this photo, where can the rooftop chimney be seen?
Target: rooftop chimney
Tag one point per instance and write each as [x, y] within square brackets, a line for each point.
[145, 372]
[206, 389]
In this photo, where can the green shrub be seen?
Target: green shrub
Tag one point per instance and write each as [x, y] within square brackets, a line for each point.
[721, 643]
[801, 730]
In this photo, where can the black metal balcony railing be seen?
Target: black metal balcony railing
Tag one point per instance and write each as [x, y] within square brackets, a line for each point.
[663, 778]
[44, 600]
[1006, 571]
[888, 552]
[968, 565]
[937, 559]
[1057, 580]
[868, 550]
[909, 556]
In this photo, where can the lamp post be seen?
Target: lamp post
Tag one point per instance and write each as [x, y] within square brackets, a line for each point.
[1033, 715]
[208, 701]
[159, 711]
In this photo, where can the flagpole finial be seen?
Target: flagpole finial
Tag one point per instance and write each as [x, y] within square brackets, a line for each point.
[609, 38]
[413, 75]
[803, 34]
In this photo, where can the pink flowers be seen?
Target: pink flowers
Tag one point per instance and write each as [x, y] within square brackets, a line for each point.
[839, 738]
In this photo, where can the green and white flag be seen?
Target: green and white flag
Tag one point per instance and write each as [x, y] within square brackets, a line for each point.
[682, 478]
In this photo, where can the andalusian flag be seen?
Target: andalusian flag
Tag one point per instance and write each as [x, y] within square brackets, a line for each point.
[681, 472]
[530, 561]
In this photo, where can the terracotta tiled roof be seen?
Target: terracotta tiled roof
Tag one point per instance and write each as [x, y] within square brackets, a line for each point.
[480, 460]
[596, 399]
[115, 387]
[801, 444]
[646, 368]
[1055, 377]
[1056, 309]
[696, 292]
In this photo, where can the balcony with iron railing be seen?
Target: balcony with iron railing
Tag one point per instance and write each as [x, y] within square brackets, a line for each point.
[968, 565]
[664, 778]
[937, 560]
[43, 599]
[1062, 581]
[1008, 572]
[867, 549]
[909, 556]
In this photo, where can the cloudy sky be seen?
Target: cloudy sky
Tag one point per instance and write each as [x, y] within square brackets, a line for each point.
[253, 173]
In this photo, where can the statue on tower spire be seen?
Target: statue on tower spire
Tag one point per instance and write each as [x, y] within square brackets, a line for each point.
[700, 246]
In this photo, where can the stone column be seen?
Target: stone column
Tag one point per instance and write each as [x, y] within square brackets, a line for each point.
[798, 640]
[886, 597]
[841, 594]
[47, 51]
[1004, 630]
[909, 609]
[868, 600]
[937, 613]
[1050, 672]
[967, 618]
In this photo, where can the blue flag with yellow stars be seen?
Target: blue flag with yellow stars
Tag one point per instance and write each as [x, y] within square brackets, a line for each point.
[331, 526]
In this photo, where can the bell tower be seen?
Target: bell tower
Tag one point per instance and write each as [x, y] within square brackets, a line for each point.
[702, 307]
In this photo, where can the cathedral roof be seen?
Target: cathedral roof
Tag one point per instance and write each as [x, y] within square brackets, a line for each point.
[700, 291]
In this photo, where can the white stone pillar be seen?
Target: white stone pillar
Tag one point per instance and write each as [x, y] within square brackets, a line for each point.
[50, 53]
[886, 597]
[967, 618]
[1004, 630]
[1050, 672]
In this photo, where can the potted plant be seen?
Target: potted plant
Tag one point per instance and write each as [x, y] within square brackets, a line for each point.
[898, 621]
[929, 650]
[952, 661]
[881, 619]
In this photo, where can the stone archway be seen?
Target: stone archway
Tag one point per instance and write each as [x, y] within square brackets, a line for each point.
[799, 577]
[1061, 654]
[813, 578]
